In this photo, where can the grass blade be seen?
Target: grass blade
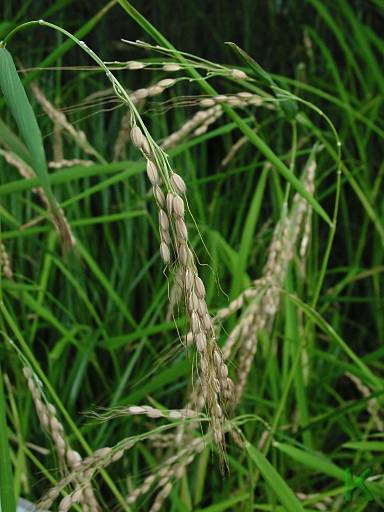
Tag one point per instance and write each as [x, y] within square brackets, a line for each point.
[252, 136]
[24, 116]
[7, 498]
[274, 480]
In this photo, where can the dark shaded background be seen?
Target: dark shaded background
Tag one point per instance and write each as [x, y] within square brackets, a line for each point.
[270, 30]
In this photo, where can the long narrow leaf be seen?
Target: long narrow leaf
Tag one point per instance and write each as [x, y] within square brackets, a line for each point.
[7, 498]
[21, 110]
[274, 480]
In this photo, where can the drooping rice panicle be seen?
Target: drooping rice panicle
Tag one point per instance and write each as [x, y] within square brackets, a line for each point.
[69, 458]
[60, 120]
[57, 216]
[5, 265]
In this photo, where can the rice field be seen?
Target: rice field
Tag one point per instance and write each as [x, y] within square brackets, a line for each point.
[191, 254]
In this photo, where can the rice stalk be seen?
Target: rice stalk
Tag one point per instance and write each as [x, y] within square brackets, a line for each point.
[373, 406]
[68, 457]
[60, 164]
[60, 120]
[5, 259]
[261, 303]
[57, 215]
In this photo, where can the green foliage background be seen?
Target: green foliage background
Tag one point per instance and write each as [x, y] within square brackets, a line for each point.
[95, 320]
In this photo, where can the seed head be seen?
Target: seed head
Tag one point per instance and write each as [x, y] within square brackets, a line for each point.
[201, 341]
[195, 323]
[219, 411]
[165, 253]
[152, 173]
[145, 146]
[27, 372]
[178, 206]
[133, 64]
[188, 279]
[183, 254]
[238, 74]
[207, 102]
[189, 339]
[200, 288]
[193, 301]
[137, 136]
[101, 453]
[181, 228]
[141, 94]
[207, 321]
[167, 82]
[221, 98]
[223, 371]
[65, 503]
[154, 90]
[171, 67]
[169, 202]
[245, 94]
[163, 220]
[178, 183]
[165, 236]
[73, 457]
[117, 455]
[233, 101]
[159, 195]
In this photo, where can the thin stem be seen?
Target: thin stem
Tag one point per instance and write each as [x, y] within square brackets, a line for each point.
[7, 497]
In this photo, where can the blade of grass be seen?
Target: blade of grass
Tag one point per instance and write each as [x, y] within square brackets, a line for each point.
[252, 136]
[7, 498]
[274, 480]
[247, 237]
[21, 110]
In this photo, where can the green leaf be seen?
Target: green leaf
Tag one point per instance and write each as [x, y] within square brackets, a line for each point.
[365, 446]
[316, 461]
[288, 106]
[13, 143]
[274, 480]
[22, 112]
[249, 132]
[248, 235]
[7, 498]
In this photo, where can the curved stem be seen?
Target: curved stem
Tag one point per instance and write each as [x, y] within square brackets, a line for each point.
[13, 32]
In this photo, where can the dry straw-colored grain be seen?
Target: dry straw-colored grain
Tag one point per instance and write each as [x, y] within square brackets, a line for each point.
[234, 150]
[5, 264]
[60, 164]
[57, 217]
[58, 150]
[171, 469]
[211, 111]
[200, 120]
[174, 234]
[172, 67]
[260, 304]
[323, 503]
[137, 97]
[373, 406]
[149, 411]
[49, 421]
[60, 119]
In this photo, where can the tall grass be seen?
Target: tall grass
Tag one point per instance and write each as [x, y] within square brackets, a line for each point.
[225, 353]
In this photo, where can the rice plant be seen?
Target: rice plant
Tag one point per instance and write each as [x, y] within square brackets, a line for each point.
[191, 257]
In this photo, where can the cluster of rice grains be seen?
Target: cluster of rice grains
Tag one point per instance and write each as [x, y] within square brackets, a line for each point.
[57, 216]
[69, 459]
[260, 302]
[213, 390]
[5, 262]
[258, 305]
[169, 190]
